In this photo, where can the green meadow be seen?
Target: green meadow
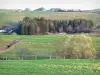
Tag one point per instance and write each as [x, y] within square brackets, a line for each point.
[35, 45]
[50, 67]
[31, 44]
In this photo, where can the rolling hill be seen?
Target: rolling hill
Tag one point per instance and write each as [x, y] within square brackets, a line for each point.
[95, 10]
[29, 45]
[8, 17]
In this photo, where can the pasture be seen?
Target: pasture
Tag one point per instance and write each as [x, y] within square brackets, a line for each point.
[50, 67]
[42, 45]
[31, 46]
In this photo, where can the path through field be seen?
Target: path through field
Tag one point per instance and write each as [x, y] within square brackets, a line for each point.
[9, 45]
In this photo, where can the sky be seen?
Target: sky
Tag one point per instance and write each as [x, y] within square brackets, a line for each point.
[64, 4]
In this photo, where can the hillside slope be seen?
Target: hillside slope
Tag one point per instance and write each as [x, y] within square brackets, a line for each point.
[36, 45]
[8, 17]
[95, 10]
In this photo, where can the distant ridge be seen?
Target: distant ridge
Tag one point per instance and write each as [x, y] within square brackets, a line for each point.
[51, 10]
[58, 10]
[40, 9]
[94, 10]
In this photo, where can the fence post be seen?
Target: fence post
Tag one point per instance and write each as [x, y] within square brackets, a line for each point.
[56, 55]
[35, 57]
[64, 57]
[50, 56]
[6, 58]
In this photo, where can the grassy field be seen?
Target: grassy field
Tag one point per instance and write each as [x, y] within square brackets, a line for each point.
[8, 17]
[50, 67]
[42, 45]
[30, 44]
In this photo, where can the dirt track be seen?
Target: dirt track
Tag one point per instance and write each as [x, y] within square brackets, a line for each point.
[9, 45]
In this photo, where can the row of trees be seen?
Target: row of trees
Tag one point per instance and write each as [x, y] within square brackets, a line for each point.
[30, 26]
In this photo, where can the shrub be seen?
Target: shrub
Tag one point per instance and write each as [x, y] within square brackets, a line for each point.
[75, 46]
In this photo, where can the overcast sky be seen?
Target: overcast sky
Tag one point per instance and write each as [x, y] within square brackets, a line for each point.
[65, 4]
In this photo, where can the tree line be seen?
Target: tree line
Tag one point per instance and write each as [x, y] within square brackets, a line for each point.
[33, 26]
